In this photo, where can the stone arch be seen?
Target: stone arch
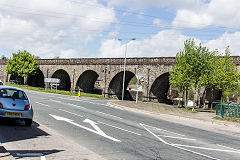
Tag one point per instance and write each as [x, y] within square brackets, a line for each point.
[36, 80]
[16, 79]
[159, 88]
[116, 84]
[65, 83]
[86, 81]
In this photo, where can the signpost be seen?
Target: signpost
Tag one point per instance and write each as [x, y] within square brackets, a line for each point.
[54, 82]
[138, 75]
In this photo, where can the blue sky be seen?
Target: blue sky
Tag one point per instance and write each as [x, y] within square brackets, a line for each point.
[80, 28]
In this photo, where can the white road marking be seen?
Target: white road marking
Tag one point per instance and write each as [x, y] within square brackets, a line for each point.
[68, 104]
[83, 101]
[177, 137]
[76, 106]
[101, 133]
[164, 130]
[70, 113]
[108, 115]
[94, 125]
[29, 154]
[43, 158]
[228, 147]
[56, 101]
[114, 106]
[119, 128]
[205, 148]
[163, 141]
[42, 104]
[70, 99]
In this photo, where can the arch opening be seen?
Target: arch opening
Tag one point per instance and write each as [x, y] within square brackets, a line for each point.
[36, 80]
[159, 88]
[87, 82]
[116, 85]
[65, 83]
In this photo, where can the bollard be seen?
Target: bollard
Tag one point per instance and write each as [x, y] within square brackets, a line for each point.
[79, 93]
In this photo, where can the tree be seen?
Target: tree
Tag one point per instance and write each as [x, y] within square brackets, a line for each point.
[226, 76]
[21, 64]
[192, 66]
[180, 77]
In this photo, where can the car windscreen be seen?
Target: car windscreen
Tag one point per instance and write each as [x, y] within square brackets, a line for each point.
[12, 93]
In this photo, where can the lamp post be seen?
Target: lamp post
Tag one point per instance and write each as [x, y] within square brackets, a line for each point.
[73, 75]
[125, 61]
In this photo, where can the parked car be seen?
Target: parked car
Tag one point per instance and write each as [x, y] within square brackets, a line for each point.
[15, 104]
[1, 83]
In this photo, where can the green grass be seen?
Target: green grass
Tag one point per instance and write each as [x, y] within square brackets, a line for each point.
[186, 109]
[54, 91]
[189, 110]
[229, 119]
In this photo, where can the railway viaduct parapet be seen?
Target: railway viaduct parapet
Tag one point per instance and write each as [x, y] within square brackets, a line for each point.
[106, 75]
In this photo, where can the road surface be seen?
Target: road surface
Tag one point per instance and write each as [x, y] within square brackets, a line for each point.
[108, 133]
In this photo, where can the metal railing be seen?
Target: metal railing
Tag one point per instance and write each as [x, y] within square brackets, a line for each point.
[228, 110]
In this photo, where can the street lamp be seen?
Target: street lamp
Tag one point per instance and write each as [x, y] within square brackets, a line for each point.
[125, 61]
[73, 75]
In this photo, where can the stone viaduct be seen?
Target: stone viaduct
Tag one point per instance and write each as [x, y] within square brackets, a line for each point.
[83, 73]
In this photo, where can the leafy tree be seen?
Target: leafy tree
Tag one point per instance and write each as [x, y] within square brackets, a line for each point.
[21, 64]
[226, 76]
[192, 66]
[180, 77]
[232, 95]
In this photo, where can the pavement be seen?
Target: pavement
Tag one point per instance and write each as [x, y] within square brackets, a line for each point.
[4, 154]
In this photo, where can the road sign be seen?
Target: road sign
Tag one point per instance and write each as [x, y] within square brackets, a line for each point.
[138, 76]
[52, 80]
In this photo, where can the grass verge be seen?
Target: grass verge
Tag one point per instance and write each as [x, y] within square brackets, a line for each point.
[229, 119]
[187, 109]
[54, 91]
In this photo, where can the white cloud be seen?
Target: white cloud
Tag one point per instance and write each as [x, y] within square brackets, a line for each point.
[227, 39]
[70, 53]
[216, 12]
[165, 43]
[50, 28]
[159, 22]
[191, 19]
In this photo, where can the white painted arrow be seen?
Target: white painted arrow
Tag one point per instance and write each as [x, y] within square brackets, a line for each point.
[92, 123]
[61, 118]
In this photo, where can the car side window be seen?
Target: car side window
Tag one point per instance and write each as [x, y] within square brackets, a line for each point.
[22, 95]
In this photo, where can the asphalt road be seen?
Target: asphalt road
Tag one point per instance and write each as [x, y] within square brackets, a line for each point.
[115, 134]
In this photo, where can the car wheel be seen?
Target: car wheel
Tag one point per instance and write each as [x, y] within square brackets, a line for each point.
[28, 122]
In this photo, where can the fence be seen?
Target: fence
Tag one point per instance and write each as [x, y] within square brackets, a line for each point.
[228, 110]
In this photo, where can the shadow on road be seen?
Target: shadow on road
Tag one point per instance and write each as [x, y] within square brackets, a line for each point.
[32, 153]
[15, 130]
